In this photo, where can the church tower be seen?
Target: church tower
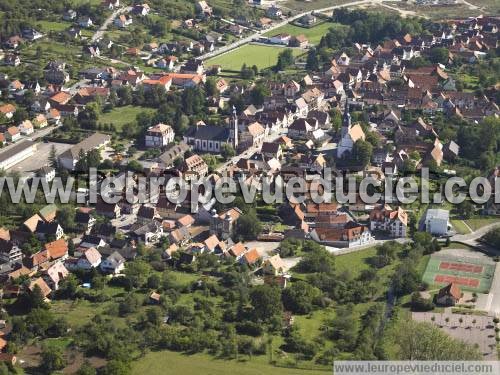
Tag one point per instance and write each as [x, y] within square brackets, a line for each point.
[346, 120]
[234, 129]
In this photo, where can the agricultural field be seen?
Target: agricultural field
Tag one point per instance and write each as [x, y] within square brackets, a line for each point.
[313, 34]
[251, 54]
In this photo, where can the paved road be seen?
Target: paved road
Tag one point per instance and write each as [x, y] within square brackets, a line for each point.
[35, 136]
[471, 238]
[100, 32]
[249, 38]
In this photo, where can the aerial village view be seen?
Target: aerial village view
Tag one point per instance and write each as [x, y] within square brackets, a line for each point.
[248, 187]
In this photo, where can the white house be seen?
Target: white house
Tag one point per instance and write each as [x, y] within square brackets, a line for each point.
[85, 22]
[437, 222]
[47, 173]
[123, 21]
[115, 263]
[280, 39]
[393, 221]
[159, 135]
[91, 258]
[26, 127]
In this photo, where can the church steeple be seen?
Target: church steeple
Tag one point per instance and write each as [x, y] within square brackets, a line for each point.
[234, 129]
[346, 120]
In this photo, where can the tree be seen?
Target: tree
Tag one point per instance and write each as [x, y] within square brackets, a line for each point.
[36, 298]
[419, 341]
[116, 367]
[439, 55]
[317, 260]
[299, 297]
[66, 216]
[53, 157]
[258, 94]
[466, 209]
[93, 158]
[343, 329]
[81, 164]
[285, 59]
[227, 151]
[312, 62]
[418, 303]
[137, 272]
[211, 87]
[248, 226]
[266, 302]
[52, 359]
[86, 369]
[362, 152]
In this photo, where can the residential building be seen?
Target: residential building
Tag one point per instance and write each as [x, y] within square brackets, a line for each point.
[222, 225]
[273, 265]
[47, 173]
[159, 136]
[69, 158]
[392, 221]
[194, 167]
[115, 263]
[26, 127]
[9, 253]
[91, 258]
[12, 134]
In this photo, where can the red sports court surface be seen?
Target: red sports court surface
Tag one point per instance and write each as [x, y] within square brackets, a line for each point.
[456, 279]
[464, 267]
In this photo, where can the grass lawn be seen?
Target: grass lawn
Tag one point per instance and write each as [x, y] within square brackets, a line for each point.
[167, 362]
[120, 116]
[480, 222]
[250, 54]
[309, 325]
[355, 262]
[60, 343]
[456, 245]
[300, 5]
[460, 226]
[313, 34]
[53, 25]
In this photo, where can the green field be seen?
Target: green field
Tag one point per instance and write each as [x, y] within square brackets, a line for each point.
[460, 226]
[313, 34]
[120, 116]
[433, 269]
[250, 54]
[166, 362]
[477, 223]
[47, 26]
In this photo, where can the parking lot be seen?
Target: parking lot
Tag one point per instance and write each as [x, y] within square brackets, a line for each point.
[472, 329]
[40, 158]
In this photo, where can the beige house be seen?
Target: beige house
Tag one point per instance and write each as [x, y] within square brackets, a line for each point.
[274, 265]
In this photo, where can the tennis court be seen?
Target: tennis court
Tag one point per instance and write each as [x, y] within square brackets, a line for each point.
[472, 274]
